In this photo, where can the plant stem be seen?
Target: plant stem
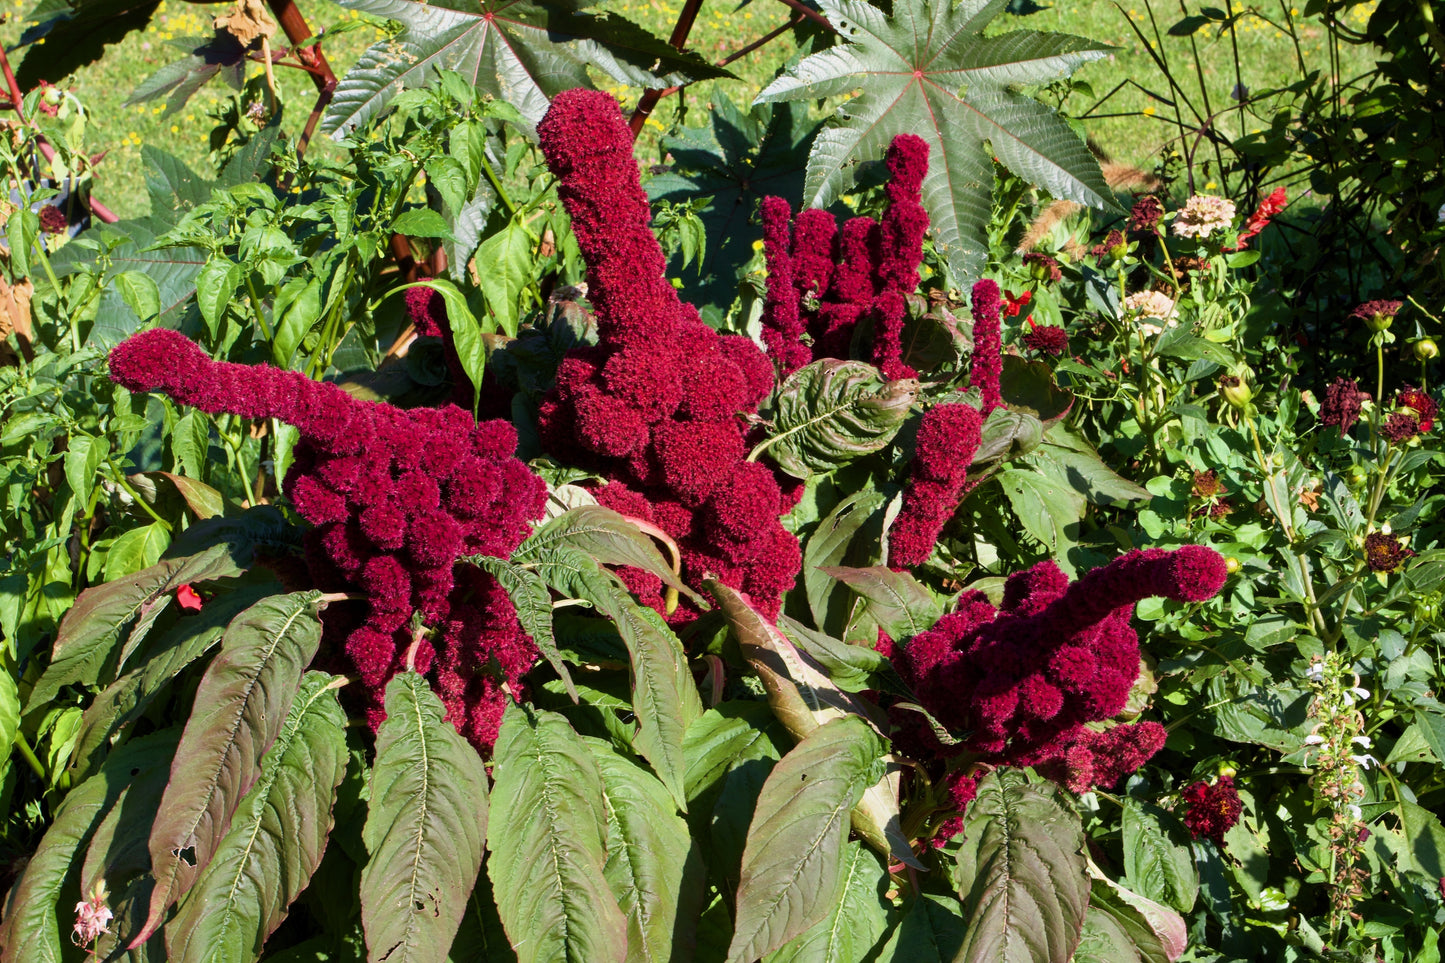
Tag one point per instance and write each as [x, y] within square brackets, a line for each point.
[685, 19]
[256, 308]
[130, 490]
[28, 755]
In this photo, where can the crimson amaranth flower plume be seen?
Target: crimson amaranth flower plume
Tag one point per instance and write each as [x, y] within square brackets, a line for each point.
[1024, 679]
[396, 497]
[657, 407]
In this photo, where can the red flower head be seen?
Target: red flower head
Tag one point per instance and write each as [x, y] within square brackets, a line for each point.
[1259, 220]
[1212, 811]
[1341, 408]
[53, 220]
[947, 440]
[1147, 213]
[1421, 404]
[1385, 553]
[1046, 339]
[188, 599]
[1013, 304]
[987, 362]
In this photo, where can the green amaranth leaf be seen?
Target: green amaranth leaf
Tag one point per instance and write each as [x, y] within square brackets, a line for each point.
[1157, 856]
[929, 70]
[1021, 873]
[857, 921]
[931, 931]
[830, 412]
[547, 842]
[652, 865]
[426, 825]
[519, 52]
[86, 641]
[836, 541]
[736, 160]
[792, 868]
[900, 604]
[1127, 927]
[275, 842]
[31, 931]
[533, 602]
[240, 705]
[606, 536]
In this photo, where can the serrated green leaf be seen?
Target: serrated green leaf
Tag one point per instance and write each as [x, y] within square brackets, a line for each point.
[140, 292]
[216, 289]
[1073, 461]
[275, 842]
[1158, 861]
[1154, 933]
[241, 703]
[830, 412]
[88, 635]
[507, 255]
[517, 52]
[722, 737]
[928, 70]
[137, 549]
[607, 537]
[664, 697]
[533, 603]
[900, 604]
[858, 920]
[652, 865]
[421, 222]
[547, 839]
[426, 825]
[31, 931]
[1021, 873]
[836, 542]
[1049, 509]
[931, 931]
[792, 868]
[83, 458]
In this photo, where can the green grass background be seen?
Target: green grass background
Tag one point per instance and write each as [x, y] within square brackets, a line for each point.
[1131, 125]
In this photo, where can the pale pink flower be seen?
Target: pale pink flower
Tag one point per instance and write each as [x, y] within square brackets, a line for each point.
[1202, 215]
[92, 918]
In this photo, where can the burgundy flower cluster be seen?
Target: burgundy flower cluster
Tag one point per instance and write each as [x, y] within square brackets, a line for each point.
[822, 282]
[1046, 338]
[53, 220]
[986, 366]
[1384, 552]
[1414, 414]
[396, 497]
[947, 440]
[1212, 811]
[655, 407]
[1341, 407]
[1025, 679]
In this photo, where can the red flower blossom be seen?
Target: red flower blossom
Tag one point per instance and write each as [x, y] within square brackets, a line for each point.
[1259, 220]
[53, 220]
[1341, 408]
[1046, 338]
[947, 440]
[188, 599]
[987, 362]
[1014, 303]
[1146, 214]
[1385, 553]
[1211, 811]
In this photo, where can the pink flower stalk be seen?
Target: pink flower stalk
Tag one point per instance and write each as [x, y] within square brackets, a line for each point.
[987, 363]
[396, 497]
[1025, 678]
[656, 406]
[947, 440]
[92, 919]
[900, 251]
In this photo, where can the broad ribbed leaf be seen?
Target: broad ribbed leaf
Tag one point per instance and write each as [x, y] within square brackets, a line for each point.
[533, 602]
[857, 920]
[836, 541]
[128, 697]
[608, 537]
[9, 712]
[1116, 932]
[90, 632]
[929, 70]
[31, 931]
[900, 604]
[722, 737]
[1158, 860]
[652, 866]
[275, 842]
[830, 412]
[547, 839]
[1021, 874]
[425, 828]
[793, 868]
[240, 705]
[519, 52]
[803, 697]
[931, 931]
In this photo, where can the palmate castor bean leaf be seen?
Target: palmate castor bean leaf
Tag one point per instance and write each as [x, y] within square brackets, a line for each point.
[425, 828]
[830, 412]
[928, 70]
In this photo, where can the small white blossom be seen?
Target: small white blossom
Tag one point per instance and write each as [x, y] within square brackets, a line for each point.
[1362, 741]
[1314, 739]
[1361, 693]
[1365, 760]
[1316, 671]
[1356, 813]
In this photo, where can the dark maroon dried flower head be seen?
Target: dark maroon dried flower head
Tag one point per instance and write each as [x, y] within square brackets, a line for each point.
[1147, 213]
[1341, 407]
[1207, 484]
[1377, 314]
[987, 363]
[1211, 811]
[397, 496]
[53, 220]
[1115, 245]
[1422, 405]
[1385, 552]
[1041, 267]
[1046, 339]
[657, 406]
[1024, 679]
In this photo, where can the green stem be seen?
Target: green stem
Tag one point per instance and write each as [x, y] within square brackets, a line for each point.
[497, 185]
[28, 755]
[256, 308]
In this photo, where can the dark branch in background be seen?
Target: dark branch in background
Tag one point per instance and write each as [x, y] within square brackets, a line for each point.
[313, 60]
[680, 30]
[811, 14]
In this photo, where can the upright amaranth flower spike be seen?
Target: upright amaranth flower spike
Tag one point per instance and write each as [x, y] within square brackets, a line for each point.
[396, 497]
[657, 407]
[987, 363]
[1023, 679]
[947, 440]
[900, 251]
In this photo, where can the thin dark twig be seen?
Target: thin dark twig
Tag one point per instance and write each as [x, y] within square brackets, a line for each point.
[680, 30]
[810, 13]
